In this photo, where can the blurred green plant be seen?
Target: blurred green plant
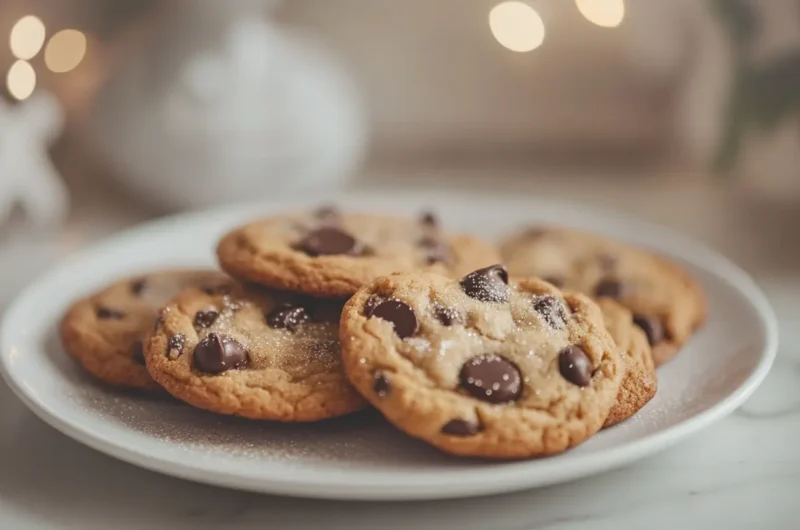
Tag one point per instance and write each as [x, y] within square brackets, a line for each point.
[764, 94]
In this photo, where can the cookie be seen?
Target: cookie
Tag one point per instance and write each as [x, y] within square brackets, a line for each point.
[330, 254]
[640, 383]
[247, 351]
[104, 331]
[667, 303]
[479, 367]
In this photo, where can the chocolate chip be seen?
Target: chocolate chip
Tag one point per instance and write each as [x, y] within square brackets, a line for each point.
[328, 215]
[535, 232]
[175, 346]
[218, 353]
[491, 378]
[552, 311]
[104, 313]
[428, 242]
[461, 428]
[399, 314]
[328, 241]
[652, 328]
[216, 290]
[447, 315]
[575, 366]
[138, 352]
[381, 385]
[137, 287]
[429, 219]
[555, 281]
[287, 316]
[487, 285]
[609, 288]
[436, 251]
[205, 319]
[373, 301]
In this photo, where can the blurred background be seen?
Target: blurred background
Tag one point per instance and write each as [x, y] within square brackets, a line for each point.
[681, 112]
[686, 112]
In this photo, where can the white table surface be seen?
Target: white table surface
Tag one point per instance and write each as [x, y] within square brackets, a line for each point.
[743, 472]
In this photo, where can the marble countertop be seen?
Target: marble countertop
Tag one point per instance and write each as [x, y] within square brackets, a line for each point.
[742, 473]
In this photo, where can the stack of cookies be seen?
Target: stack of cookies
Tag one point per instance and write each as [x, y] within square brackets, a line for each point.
[515, 351]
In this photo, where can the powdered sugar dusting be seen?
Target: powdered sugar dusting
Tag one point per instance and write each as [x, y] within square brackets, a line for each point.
[311, 346]
[363, 437]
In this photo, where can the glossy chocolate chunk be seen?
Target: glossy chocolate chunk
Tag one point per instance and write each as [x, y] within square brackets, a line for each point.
[437, 252]
[137, 286]
[329, 241]
[460, 428]
[652, 328]
[609, 288]
[552, 311]
[575, 366]
[205, 319]
[373, 301]
[428, 219]
[138, 352]
[219, 353]
[489, 284]
[381, 385]
[428, 242]
[105, 313]
[491, 378]
[175, 346]
[535, 232]
[399, 314]
[215, 290]
[287, 317]
[447, 316]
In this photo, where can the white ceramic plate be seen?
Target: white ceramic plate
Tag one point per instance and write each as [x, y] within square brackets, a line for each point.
[362, 457]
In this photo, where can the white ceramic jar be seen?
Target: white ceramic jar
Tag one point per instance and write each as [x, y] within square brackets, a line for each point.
[223, 105]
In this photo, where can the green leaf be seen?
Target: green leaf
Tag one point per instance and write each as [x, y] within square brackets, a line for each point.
[740, 20]
[773, 90]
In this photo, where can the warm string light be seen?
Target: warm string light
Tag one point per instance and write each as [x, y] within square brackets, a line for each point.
[64, 52]
[27, 37]
[21, 80]
[605, 13]
[516, 26]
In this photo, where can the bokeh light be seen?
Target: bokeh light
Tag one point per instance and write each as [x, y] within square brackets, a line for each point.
[65, 50]
[516, 26]
[27, 37]
[21, 80]
[605, 13]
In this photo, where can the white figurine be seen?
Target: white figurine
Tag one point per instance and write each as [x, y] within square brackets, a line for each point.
[27, 175]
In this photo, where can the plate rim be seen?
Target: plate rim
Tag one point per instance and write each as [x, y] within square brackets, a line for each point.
[501, 478]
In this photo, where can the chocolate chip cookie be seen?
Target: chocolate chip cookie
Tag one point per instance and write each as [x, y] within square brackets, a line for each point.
[668, 305]
[330, 254]
[251, 352]
[479, 367]
[640, 383]
[104, 332]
